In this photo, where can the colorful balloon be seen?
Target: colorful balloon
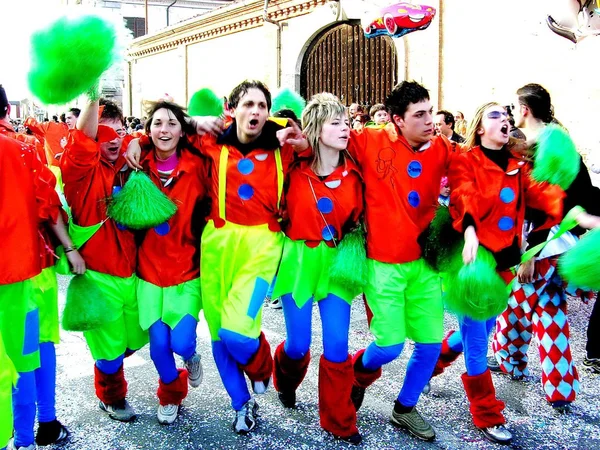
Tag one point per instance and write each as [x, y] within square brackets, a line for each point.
[398, 20]
[575, 19]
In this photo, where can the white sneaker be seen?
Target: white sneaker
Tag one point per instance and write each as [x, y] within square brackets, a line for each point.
[166, 414]
[11, 446]
[245, 418]
[195, 372]
[260, 387]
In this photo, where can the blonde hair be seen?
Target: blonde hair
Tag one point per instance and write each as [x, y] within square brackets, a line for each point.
[321, 108]
[472, 139]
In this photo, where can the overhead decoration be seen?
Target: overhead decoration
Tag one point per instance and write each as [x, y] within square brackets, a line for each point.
[398, 20]
[575, 19]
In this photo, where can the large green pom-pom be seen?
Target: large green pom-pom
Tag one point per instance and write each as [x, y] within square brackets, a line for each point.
[349, 266]
[205, 103]
[476, 290]
[556, 159]
[580, 265]
[140, 204]
[86, 306]
[287, 99]
[69, 57]
[441, 242]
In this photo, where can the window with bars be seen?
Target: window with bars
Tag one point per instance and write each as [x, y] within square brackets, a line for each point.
[137, 25]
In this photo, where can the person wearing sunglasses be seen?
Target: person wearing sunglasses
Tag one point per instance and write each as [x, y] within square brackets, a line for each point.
[323, 202]
[538, 298]
[490, 188]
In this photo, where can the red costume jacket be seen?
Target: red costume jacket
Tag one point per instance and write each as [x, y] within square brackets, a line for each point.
[89, 181]
[170, 253]
[319, 210]
[401, 189]
[496, 199]
[53, 135]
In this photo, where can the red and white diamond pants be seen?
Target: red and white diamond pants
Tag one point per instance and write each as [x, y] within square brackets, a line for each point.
[538, 309]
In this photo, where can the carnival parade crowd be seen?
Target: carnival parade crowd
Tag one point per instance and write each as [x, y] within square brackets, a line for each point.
[267, 202]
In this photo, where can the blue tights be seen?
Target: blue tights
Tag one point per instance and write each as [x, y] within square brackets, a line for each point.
[418, 372]
[472, 338]
[164, 342]
[335, 317]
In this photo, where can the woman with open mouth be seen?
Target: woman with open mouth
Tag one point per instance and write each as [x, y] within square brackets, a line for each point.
[168, 257]
[490, 189]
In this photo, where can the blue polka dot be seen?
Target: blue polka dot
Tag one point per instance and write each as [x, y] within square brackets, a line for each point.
[245, 166]
[121, 227]
[329, 233]
[414, 199]
[116, 190]
[414, 169]
[162, 229]
[245, 191]
[506, 223]
[325, 205]
[507, 195]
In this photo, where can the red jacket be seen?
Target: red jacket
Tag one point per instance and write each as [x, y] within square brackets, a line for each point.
[496, 199]
[22, 205]
[37, 144]
[402, 186]
[170, 253]
[89, 181]
[53, 135]
[337, 203]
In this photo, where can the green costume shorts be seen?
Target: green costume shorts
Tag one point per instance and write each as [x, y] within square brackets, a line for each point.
[8, 378]
[20, 325]
[406, 301]
[123, 330]
[46, 297]
[304, 273]
[169, 304]
[237, 263]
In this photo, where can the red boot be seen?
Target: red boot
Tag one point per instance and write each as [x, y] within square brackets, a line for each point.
[174, 392]
[110, 389]
[447, 356]
[486, 409]
[336, 410]
[288, 373]
[363, 378]
[260, 366]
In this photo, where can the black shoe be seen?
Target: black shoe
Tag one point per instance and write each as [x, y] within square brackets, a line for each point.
[357, 396]
[355, 439]
[287, 399]
[51, 433]
[561, 407]
[493, 364]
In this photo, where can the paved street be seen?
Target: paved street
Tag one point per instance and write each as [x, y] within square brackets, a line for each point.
[206, 416]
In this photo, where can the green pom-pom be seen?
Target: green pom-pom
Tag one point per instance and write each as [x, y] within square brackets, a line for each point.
[476, 290]
[205, 103]
[556, 159]
[86, 44]
[441, 242]
[287, 99]
[85, 307]
[349, 265]
[140, 204]
[580, 265]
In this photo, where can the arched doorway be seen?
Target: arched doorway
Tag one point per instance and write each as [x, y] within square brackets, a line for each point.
[341, 60]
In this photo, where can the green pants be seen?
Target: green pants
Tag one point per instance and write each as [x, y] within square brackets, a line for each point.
[46, 297]
[20, 325]
[123, 331]
[406, 301]
[237, 264]
[8, 378]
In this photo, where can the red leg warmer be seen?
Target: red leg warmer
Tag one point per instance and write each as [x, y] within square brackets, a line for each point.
[288, 373]
[447, 356]
[336, 410]
[260, 366]
[174, 392]
[486, 409]
[110, 389]
[363, 378]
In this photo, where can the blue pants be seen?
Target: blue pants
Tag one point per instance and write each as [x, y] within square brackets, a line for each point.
[24, 396]
[45, 382]
[418, 371]
[164, 342]
[472, 338]
[335, 317]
